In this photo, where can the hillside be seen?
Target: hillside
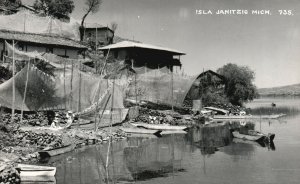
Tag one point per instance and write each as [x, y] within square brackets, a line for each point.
[290, 90]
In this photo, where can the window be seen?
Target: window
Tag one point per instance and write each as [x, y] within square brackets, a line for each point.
[49, 50]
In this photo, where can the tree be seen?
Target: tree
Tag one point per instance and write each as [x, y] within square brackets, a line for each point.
[239, 85]
[92, 7]
[10, 3]
[114, 27]
[55, 8]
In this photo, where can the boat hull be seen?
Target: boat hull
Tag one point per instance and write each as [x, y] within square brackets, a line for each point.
[36, 173]
[57, 151]
[224, 117]
[159, 127]
[248, 137]
[139, 131]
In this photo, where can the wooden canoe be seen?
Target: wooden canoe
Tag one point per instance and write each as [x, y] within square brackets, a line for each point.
[140, 131]
[159, 126]
[225, 117]
[56, 151]
[168, 132]
[36, 173]
[258, 137]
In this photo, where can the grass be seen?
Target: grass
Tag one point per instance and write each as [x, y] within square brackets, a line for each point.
[273, 110]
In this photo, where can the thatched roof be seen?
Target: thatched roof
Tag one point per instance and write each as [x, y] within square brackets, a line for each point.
[40, 39]
[212, 73]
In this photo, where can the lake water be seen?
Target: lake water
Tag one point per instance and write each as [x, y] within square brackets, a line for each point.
[203, 155]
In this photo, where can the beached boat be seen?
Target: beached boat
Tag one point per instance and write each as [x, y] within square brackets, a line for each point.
[217, 110]
[254, 136]
[34, 173]
[168, 132]
[225, 117]
[159, 126]
[140, 131]
[56, 151]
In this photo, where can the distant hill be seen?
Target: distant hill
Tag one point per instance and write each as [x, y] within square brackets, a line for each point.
[290, 90]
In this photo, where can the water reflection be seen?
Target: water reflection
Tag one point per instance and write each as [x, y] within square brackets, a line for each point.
[145, 158]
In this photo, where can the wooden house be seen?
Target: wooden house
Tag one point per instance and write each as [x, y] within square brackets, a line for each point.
[93, 33]
[140, 54]
[42, 43]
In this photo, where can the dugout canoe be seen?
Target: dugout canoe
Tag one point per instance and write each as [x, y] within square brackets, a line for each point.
[56, 151]
[34, 173]
[159, 126]
[140, 131]
[226, 117]
[254, 136]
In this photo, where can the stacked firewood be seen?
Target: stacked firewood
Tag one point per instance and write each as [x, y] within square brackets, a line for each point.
[36, 119]
[28, 138]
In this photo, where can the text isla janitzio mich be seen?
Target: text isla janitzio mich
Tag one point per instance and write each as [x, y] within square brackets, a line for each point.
[244, 12]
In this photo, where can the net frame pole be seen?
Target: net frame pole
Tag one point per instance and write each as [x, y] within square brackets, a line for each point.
[79, 93]
[96, 42]
[25, 90]
[65, 100]
[14, 87]
[172, 88]
[71, 85]
[97, 104]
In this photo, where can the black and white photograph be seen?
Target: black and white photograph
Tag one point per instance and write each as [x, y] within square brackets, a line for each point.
[149, 91]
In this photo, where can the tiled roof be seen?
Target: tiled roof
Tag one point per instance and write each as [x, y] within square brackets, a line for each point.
[130, 44]
[40, 39]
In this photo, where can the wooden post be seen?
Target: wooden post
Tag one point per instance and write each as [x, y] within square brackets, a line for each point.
[105, 62]
[14, 87]
[172, 88]
[103, 110]
[96, 109]
[71, 93]
[96, 42]
[135, 88]
[25, 90]
[79, 93]
[65, 99]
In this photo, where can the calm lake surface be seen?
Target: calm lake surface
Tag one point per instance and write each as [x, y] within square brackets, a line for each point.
[203, 155]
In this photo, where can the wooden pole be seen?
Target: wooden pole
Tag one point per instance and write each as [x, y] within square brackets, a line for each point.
[14, 87]
[25, 90]
[96, 42]
[105, 62]
[96, 109]
[110, 122]
[79, 92]
[65, 99]
[103, 111]
[71, 93]
[172, 86]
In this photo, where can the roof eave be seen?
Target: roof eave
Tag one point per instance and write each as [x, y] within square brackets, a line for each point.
[172, 52]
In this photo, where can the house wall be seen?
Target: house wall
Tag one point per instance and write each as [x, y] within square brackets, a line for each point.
[144, 57]
[103, 36]
[63, 52]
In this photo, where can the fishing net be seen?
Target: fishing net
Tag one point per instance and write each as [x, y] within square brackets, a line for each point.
[160, 86]
[25, 21]
[68, 89]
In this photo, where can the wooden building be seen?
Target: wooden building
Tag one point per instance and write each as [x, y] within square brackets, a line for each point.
[28, 42]
[206, 82]
[140, 54]
[102, 34]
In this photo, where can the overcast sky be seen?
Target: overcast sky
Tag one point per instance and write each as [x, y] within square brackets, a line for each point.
[268, 44]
